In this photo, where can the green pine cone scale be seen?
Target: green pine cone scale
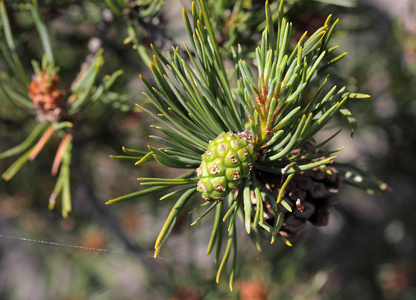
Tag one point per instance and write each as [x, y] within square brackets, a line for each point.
[227, 160]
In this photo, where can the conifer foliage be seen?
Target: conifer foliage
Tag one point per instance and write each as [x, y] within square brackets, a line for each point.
[230, 136]
[243, 124]
[53, 111]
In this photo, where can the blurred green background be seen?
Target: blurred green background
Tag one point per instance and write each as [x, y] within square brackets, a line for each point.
[367, 251]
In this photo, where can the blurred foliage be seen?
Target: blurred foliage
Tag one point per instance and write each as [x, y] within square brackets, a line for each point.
[56, 111]
[366, 252]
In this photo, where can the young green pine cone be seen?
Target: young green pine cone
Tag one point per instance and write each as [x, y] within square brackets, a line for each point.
[228, 159]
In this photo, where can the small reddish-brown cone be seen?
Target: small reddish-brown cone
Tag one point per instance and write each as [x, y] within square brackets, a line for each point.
[46, 97]
[310, 194]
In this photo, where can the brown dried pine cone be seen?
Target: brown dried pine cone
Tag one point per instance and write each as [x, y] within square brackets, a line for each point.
[310, 194]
